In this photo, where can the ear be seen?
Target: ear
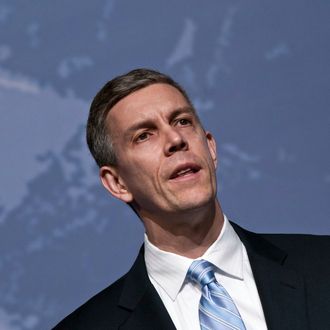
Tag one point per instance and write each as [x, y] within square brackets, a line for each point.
[212, 147]
[112, 182]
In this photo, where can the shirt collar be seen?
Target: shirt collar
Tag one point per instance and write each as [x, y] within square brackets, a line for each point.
[169, 269]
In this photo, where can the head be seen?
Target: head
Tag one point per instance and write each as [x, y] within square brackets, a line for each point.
[151, 148]
[98, 132]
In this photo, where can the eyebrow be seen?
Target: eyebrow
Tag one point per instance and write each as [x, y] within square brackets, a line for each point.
[150, 123]
[180, 111]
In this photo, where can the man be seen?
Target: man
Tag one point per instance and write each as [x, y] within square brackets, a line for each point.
[196, 270]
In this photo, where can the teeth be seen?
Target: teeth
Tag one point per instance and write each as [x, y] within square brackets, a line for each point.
[182, 172]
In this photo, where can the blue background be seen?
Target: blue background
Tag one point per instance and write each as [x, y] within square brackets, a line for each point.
[258, 74]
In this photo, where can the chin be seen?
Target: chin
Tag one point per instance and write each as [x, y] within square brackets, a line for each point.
[195, 201]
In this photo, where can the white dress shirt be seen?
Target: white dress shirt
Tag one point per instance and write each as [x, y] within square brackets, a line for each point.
[167, 272]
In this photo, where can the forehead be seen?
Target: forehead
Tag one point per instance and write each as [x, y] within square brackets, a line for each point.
[147, 103]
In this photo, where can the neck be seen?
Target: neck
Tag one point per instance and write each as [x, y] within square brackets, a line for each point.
[189, 234]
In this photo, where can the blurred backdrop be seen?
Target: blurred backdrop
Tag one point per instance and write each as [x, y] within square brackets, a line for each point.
[258, 74]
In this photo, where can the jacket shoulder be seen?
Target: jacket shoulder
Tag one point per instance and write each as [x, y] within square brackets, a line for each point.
[98, 312]
[305, 246]
[307, 254]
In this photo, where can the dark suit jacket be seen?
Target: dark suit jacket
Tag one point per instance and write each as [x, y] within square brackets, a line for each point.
[292, 273]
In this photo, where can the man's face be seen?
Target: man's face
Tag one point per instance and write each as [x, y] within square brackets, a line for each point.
[166, 161]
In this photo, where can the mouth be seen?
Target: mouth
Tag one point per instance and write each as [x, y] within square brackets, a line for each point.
[184, 170]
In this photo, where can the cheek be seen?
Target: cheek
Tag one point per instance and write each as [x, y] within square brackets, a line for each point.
[149, 149]
[144, 159]
[140, 173]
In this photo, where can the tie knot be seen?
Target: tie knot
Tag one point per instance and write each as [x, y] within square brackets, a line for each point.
[201, 272]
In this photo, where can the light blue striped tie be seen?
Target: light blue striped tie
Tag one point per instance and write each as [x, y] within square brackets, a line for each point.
[217, 310]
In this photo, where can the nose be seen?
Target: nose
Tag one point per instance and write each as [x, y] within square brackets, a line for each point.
[175, 141]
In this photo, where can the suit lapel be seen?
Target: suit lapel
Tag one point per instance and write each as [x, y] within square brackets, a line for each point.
[281, 290]
[142, 300]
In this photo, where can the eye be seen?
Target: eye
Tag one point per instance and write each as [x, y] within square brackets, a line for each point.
[142, 137]
[184, 122]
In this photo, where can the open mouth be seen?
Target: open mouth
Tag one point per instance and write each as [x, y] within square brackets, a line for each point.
[183, 171]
